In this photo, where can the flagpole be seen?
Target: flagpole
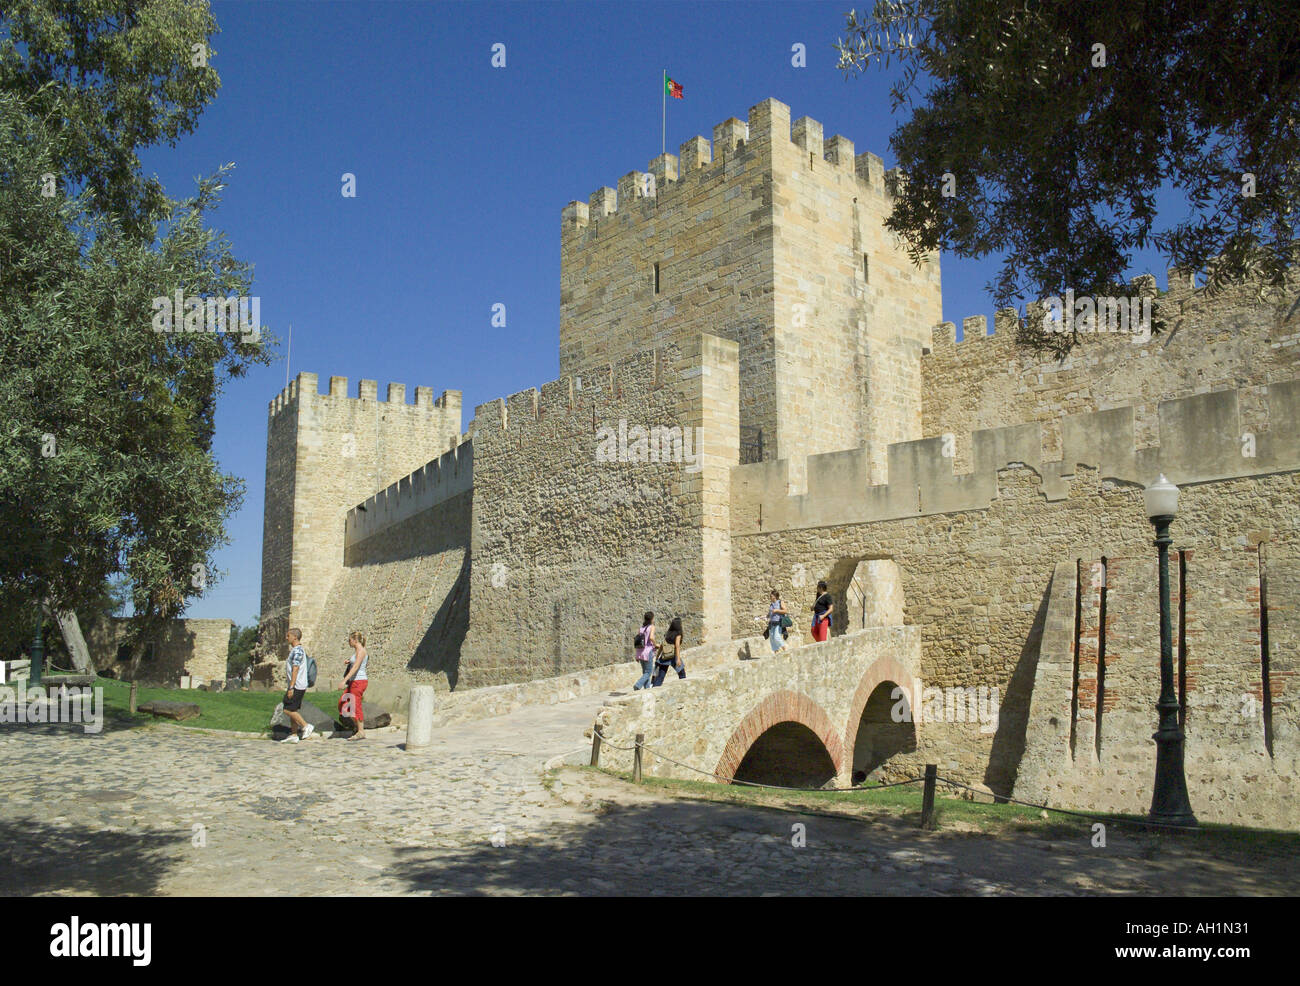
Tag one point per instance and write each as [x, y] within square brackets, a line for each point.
[663, 132]
[287, 355]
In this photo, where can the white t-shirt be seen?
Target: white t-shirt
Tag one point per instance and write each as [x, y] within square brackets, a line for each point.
[295, 668]
[361, 671]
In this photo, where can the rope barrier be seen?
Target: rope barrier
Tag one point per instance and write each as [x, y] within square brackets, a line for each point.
[1113, 819]
[1093, 816]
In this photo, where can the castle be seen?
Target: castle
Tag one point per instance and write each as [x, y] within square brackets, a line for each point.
[742, 305]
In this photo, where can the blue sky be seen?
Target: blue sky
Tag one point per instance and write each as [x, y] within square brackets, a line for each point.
[462, 170]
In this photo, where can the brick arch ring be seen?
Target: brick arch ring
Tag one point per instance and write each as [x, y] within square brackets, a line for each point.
[779, 707]
[884, 669]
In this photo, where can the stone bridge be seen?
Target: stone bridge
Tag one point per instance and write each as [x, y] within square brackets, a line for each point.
[811, 715]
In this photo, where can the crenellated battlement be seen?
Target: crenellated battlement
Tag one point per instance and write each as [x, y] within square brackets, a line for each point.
[975, 328]
[1204, 345]
[449, 475]
[1202, 439]
[627, 382]
[701, 160]
[305, 386]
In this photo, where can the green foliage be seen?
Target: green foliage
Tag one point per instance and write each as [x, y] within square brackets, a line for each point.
[1058, 147]
[242, 642]
[106, 467]
[117, 76]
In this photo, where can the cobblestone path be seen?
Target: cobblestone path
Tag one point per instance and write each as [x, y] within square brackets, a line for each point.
[166, 810]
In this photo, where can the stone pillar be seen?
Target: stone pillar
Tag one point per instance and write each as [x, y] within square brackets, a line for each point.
[419, 721]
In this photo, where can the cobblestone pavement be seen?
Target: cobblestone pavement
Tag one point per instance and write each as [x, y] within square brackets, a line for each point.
[166, 810]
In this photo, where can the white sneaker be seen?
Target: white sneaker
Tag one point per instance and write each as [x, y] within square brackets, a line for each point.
[291, 738]
[307, 730]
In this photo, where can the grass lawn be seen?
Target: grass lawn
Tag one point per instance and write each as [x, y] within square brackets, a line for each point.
[903, 804]
[242, 711]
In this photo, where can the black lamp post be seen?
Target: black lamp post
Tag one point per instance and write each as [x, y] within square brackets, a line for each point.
[1169, 801]
[38, 649]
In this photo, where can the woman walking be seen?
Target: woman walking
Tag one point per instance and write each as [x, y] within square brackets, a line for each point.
[776, 622]
[671, 653]
[355, 679]
[645, 653]
[822, 608]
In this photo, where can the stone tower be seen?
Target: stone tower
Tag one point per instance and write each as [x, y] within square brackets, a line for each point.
[325, 453]
[774, 239]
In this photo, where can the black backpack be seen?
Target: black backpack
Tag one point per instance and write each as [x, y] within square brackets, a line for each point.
[638, 641]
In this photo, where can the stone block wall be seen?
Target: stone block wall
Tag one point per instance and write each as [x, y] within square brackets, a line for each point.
[1240, 767]
[1199, 441]
[654, 265]
[195, 647]
[570, 545]
[852, 311]
[406, 587]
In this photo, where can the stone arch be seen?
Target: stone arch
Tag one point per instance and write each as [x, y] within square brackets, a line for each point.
[780, 707]
[883, 671]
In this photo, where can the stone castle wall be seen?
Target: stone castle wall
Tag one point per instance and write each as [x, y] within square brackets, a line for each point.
[1230, 342]
[325, 454]
[852, 312]
[406, 587]
[568, 550]
[705, 223]
[975, 578]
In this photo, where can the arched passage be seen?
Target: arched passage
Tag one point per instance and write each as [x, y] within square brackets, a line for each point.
[874, 732]
[789, 736]
[788, 755]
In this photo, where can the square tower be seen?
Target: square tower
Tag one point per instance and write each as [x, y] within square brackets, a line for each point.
[774, 239]
[326, 453]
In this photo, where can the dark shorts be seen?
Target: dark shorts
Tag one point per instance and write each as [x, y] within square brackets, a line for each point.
[294, 702]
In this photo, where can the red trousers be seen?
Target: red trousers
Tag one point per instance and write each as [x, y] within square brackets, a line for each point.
[350, 701]
[821, 630]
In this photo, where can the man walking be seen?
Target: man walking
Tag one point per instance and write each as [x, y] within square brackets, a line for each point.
[296, 670]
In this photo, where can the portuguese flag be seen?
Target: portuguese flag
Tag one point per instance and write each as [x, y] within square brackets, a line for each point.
[672, 88]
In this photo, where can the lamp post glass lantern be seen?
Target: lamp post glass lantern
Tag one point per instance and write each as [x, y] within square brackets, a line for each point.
[1169, 802]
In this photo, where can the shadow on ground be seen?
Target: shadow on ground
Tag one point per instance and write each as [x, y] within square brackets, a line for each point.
[683, 847]
[37, 857]
[113, 723]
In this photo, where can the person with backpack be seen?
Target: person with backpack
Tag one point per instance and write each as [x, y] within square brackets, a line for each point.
[670, 654]
[644, 642]
[777, 621]
[299, 681]
[355, 679]
[822, 608]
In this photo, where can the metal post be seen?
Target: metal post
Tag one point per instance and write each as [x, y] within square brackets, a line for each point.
[636, 759]
[1169, 802]
[38, 649]
[927, 798]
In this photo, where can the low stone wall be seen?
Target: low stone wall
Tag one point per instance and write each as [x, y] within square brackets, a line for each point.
[471, 704]
[195, 647]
